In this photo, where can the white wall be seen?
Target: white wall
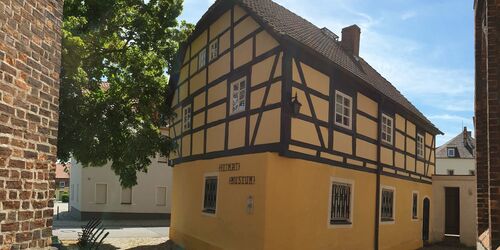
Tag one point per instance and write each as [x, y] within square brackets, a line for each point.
[143, 194]
[467, 186]
[460, 166]
[75, 174]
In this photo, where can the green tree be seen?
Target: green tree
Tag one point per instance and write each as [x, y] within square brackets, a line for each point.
[116, 58]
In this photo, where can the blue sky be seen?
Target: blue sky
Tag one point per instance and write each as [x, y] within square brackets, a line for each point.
[424, 48]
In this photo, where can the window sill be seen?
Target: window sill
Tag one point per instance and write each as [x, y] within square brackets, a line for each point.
[332, 222]
[386, 220]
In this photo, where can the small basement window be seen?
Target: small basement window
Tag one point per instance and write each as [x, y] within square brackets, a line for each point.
[387, 206]
[210, 195]
[341, 206]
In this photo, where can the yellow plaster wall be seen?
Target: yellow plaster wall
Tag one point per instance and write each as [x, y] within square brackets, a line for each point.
[400, 123]
[217, 92]
[216, 113]
[410, 145]
[199, 42]
[269, 128]
[214, 142]
[366, 126]
[198, 141]
[404, 233]
[264, 42]
[199, 101]
[367, 105]
[304, 131]
[224, 42]
[366, 150]
[198, 81]
[220, 24]
[219, 67]
[243, 53]
[315, 79]
[399, 160]
[245, 27]
[342, 142]
[386, 156]
[400, 140]
[262, 70]
[186, 145]
[410, 129]
[238, 13]
[199, 120]
[236, 137]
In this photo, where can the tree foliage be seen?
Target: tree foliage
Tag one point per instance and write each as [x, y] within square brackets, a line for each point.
[116, 58]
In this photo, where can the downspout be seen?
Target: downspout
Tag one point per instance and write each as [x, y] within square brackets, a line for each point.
[377, 187]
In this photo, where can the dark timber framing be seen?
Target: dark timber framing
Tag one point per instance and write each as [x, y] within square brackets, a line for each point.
[340, 79]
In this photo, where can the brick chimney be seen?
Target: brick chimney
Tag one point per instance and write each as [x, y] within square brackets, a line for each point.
[350, 39]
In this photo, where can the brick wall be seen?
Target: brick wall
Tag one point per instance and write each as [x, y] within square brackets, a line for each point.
[487, 108]
[30, 53]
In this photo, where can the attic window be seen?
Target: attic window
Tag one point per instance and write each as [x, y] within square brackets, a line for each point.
[450, 152]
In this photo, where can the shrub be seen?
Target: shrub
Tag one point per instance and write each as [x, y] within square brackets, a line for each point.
[65, 198]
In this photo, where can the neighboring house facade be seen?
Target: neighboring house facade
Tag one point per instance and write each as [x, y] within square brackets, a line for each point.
[288, 139]
[62, 179]
[96, 192]
[487, 118]
[457, 156]
[454, 190]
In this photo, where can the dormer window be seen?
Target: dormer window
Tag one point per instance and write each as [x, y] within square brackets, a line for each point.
[450, 152]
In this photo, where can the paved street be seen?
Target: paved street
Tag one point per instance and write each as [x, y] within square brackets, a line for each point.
[123, 234]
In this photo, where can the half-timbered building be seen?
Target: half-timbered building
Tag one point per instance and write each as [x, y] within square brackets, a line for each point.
[288, 139]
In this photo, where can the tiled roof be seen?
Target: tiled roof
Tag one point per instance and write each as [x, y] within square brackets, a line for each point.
[464, 149]
[288, 24]
[60, 171]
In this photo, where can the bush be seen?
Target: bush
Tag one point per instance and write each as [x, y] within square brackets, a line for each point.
[65, 198]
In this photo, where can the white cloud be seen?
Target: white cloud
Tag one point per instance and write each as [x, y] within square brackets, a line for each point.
[408, 15]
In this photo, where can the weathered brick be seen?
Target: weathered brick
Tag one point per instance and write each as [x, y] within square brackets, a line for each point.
[21, 237]
[10, 227]
[11, 204]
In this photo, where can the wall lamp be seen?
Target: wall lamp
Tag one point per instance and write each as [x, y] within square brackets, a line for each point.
[295, 105]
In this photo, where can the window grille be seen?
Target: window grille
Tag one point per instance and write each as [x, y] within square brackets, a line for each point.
[340, 203]
[186, 123]
[387, 213]
[210, 197]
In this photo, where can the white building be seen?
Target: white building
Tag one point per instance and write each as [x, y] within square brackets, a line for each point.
[96, 192]
[457, 156]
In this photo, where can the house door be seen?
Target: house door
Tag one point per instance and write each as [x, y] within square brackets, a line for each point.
[452, 211]
[425, 219]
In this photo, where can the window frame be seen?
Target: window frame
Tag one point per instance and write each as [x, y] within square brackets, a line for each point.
[387, 117]
[95, 193]
[231, 92]
[63, 184]
[211, 55]
[203, 209]
[187, 125]
[344, 96]
[156, 196]
[350, 222]
[414, 217]
[121, 197]
[391, 220]
[448, 152]
[420, 155]
[202, 60]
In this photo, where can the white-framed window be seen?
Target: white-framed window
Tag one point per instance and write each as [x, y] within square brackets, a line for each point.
[62, 184]
[161, 196]
[126, 196]
[186, 117]
[238, 95]
[341, 202]
[450, 152]
[343, 110]
[101, 193]
[450, 171]
[414, 206]
[420, 146]
[202, 58]
[387, 204]
[387, 129]
[210, 194]
[214, 50]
